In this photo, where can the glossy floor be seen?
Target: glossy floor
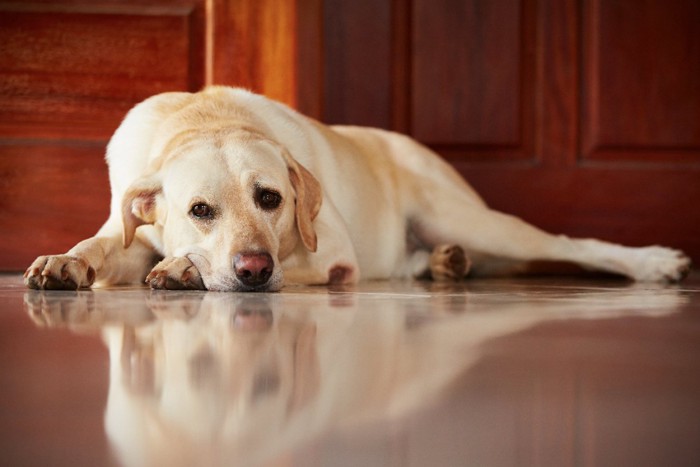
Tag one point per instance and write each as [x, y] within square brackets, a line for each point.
[486, 373]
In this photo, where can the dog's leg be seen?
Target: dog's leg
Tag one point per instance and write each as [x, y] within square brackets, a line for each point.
[102, 259]
[334, 263]
[489, 236]
[59, 272]
[444, 209]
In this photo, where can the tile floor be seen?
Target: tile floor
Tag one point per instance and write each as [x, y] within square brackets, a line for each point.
[541, 372]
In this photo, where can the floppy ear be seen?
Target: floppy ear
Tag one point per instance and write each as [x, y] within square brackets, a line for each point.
[139, 206]
[308, 202]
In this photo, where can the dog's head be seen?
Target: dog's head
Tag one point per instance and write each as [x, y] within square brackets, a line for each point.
[231, 200]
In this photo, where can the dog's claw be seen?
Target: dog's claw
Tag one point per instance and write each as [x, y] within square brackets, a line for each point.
[59, 272]
[156, 279]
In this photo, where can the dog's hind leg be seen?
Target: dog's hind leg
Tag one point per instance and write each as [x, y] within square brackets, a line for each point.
[490, 237]
[442, 209]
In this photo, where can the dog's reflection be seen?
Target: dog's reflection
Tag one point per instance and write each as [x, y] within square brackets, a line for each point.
[221, 379]
[214, 375]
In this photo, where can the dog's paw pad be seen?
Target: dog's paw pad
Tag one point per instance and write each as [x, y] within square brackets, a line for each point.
[175, 273]
[59, 272]
[448, 263]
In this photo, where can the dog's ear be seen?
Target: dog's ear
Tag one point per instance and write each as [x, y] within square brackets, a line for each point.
[308, 202]
[139, 206]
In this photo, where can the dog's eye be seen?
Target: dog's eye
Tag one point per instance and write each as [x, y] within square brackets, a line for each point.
[268, 199]
[201, 211]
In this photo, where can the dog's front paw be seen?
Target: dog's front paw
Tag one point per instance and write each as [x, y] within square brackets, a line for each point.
[59, 272]
[448, 263]
[660, 264]
[175, 273]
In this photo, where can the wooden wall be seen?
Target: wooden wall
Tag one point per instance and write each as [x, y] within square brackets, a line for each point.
[69, 72]
[582, 116]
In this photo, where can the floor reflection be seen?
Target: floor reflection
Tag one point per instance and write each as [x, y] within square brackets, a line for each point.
[241, 379]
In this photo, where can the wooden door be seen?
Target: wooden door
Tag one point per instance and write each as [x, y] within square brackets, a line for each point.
[69, 72]
[582, 117]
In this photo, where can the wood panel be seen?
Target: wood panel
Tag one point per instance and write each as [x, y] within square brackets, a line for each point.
[74, 72]
[635, 200]
[401, 65]
[69, 72]
[642, 81]
[51, 197]
[357, 62]
[467, 72]
[580, 116]
[309, 58]
[253, 45]
[557, 102]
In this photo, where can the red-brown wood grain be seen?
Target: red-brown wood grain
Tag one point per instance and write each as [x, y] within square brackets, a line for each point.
[254, 46]
[357, 62]
[74, 74]
[69, 72]
[52, 195]
[477, 98]
[581, 116]
[641, 81]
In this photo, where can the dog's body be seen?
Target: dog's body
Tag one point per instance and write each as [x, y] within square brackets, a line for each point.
[237, 192]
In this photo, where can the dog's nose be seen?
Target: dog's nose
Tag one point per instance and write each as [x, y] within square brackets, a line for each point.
[253, 269]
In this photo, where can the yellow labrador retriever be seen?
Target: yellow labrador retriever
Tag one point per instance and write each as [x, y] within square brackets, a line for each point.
[231, 191]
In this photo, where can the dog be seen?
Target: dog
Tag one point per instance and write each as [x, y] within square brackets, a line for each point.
[227, 190]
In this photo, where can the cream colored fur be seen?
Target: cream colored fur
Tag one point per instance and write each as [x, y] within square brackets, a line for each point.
[356, 203]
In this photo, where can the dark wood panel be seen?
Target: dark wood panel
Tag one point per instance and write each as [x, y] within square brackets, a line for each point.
[402, 66]
[469, 73]
[309, 58]
[74, 73]
[642, 80]
[357, 47]
[557, 82]
[51, 197]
